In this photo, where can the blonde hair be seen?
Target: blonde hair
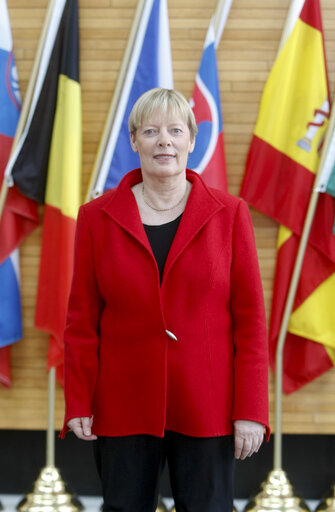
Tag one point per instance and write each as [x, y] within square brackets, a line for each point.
[166, 101]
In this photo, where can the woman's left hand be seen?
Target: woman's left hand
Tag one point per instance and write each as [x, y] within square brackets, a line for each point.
[248, 437]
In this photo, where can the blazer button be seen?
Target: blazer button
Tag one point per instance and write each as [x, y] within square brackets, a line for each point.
[171, 335]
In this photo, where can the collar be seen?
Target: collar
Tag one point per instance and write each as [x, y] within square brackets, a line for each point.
[202, 204]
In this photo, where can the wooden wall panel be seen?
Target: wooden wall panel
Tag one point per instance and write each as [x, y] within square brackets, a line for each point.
[245, 57]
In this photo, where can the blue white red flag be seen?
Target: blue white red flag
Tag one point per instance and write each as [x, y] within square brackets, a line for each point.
[10, 303]
[20, 216]
[149, 66]
[208, 158]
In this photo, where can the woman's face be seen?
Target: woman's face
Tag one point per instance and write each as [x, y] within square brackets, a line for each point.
[163, 143]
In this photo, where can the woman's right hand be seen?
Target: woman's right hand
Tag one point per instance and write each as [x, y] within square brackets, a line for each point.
[82, 427]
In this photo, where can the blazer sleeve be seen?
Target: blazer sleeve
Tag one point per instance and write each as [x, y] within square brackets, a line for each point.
[249, 325]
[81, 335]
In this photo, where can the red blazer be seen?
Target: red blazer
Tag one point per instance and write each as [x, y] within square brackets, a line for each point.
[121, 363]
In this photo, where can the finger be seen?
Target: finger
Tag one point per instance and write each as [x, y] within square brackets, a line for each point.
[76, 425]
[253, 446]
[242, 445]
[259, 443]
[78, 431]
[238, 444]
[82, 436]
[86, 424]
[247, 446]
[256, 442]
[92, 437]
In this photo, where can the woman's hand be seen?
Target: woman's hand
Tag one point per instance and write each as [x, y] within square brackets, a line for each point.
[82, 427]
[248, 437]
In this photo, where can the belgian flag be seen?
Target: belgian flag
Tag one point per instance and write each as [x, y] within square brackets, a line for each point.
[283, 159]
[48, 169]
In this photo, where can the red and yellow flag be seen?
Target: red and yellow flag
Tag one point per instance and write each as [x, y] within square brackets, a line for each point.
[46, 166]
[283, 159]
[62, 196]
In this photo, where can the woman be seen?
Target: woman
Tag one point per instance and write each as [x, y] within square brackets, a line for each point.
[165, 343]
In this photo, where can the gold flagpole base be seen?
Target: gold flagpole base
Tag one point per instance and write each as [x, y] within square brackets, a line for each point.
[276, 495]
[173, 509]
[328, 503]
[161, 506]
[49, 495]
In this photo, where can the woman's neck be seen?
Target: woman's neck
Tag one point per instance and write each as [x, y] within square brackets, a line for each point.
[161, 201]
[164, 193]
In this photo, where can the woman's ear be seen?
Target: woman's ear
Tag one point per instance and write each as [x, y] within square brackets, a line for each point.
[133, 142]
[191, 146]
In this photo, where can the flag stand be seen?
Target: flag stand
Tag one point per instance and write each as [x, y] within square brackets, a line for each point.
[277, 493]
[328, 503]
[50, 491]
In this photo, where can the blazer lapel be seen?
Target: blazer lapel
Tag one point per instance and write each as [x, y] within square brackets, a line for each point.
[200, 208]
[122, 208]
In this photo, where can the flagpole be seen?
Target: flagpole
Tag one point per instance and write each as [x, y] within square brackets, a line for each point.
[115, 100]
[50, 451]
[292, 16]
[220, 18]
[50, 492]
[7, 183]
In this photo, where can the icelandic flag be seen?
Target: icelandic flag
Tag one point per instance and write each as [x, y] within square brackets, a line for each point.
[149, 66]
[208, 157]
[10, 303]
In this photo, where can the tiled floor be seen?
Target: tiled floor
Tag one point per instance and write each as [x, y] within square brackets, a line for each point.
[92, 504]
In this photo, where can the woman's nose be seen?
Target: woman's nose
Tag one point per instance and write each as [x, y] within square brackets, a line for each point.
[164, 138]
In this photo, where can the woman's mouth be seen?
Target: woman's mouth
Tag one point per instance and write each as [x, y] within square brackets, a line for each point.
[164, 156]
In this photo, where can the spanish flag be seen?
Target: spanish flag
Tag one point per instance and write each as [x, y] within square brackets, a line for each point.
[62, 195]
[283, 159]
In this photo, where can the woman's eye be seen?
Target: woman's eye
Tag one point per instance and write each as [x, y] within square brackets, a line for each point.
[177, 130]
[149, 131]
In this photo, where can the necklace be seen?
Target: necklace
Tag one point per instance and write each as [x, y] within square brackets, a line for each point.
[163, 209]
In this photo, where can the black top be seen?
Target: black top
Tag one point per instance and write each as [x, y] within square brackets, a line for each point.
[161, 238]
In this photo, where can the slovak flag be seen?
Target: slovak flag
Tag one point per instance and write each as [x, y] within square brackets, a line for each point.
[10, 301]
[208, 158]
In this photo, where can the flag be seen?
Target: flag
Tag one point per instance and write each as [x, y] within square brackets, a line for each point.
[327, 177]
[283, 159]
[10, 313]
[63, 191]
[208, 158]
[149, 66]
[330, 186]
[46, 166]
[19, 217]
[10, 300]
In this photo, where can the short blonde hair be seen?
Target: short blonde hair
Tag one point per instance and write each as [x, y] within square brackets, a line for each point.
[166, 101]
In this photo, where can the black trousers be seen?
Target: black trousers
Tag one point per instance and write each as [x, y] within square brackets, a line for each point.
[201, 472]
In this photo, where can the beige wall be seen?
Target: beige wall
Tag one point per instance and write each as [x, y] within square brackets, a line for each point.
[245, 57]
